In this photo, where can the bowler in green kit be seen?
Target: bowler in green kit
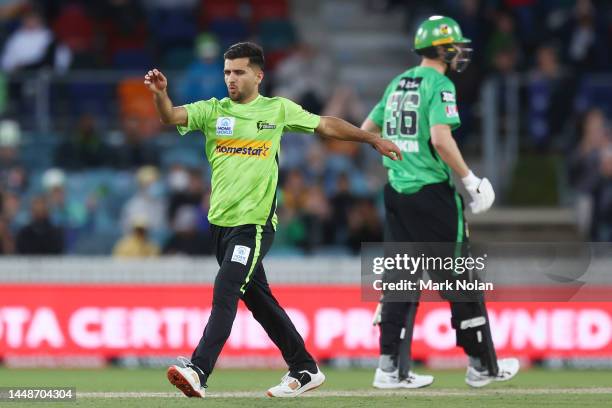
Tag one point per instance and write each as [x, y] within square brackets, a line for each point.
[243, 134]
[418, 112]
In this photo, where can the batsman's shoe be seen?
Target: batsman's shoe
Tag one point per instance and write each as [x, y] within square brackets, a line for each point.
[508, 367]
[295, 383]
[390, 380]
[186, 379]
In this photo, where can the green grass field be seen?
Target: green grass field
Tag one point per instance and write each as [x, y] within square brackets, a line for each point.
[343, 388]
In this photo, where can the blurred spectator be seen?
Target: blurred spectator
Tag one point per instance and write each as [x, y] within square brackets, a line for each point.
[136, 243]
[85, 148]
[470, 17]
[293, 194]
[204, 77]
[502, 45]
[187, 187]
[505, 60]
[40, 236]
[13, 175]
[7, 242]
[584, 44]
[33, 46]
[364, 225]
[341, 202]
[10, 207]
[69, 214]
[551, 92]
[147, 202]
[10, 137]
[307, 213]
[136, 150]
[316, 160]
[186, 239]
[10, 9]
[294, 191]
[317, 219]
[124, 31]
[591, 175]
[74, 27]
[306, 77]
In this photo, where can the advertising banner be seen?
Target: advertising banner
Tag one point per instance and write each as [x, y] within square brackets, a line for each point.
[167, 320]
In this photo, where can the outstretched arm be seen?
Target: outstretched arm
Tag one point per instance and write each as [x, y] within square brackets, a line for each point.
[369, 126]
[168, 114]
[339, 129]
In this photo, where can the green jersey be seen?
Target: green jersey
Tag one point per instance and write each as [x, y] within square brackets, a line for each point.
[412, 103]
[242, 147]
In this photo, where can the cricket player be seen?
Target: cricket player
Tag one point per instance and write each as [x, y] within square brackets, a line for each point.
[418, 111]
[243, 134]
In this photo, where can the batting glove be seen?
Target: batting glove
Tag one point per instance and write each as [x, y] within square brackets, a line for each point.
[481, 191]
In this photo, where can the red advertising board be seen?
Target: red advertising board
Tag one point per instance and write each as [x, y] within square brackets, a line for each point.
[116, 320]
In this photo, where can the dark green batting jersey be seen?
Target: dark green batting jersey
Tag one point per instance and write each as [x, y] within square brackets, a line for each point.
[412, 103]
[242, 147]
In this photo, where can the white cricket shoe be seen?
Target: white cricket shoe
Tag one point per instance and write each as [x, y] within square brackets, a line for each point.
[390, 380]
[186, 379]
[508, 367]
[294, 384]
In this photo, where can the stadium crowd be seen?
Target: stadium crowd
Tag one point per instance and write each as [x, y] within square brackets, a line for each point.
[108, 179]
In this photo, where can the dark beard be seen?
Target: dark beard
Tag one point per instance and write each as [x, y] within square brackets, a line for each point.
[238, 98]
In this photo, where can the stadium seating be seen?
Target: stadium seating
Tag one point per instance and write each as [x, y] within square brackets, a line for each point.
[269, 9]
[173, 27]
[211, 10]
[276, 34]
[229, 30]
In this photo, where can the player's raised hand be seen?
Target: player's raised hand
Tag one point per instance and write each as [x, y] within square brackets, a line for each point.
[156, 81]
[388, 148]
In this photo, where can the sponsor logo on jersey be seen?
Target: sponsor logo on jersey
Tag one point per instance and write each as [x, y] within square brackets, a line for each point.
[259, 149]
[262, 124]
[407, 146]
[408, 83]
[225, 126]
[451, 111]
[447, 96]
[241, 254]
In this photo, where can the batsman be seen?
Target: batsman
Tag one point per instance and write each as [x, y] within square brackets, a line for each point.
[418, 112]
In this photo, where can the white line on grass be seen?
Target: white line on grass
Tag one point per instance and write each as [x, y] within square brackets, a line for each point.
[363, 393]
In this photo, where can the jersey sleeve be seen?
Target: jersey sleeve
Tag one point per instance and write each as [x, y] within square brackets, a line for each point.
[297, 119]
[197, 114]
[443, 106]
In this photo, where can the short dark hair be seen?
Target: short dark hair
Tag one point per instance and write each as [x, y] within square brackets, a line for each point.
[428, 52]
[248, 50]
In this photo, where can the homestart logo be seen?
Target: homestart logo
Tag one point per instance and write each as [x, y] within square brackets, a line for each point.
[241, 147]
